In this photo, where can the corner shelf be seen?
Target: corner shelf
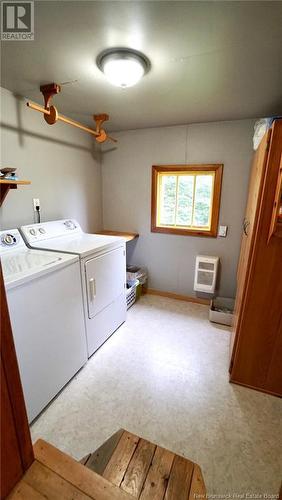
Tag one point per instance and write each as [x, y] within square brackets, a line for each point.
[128, 236]
[6, 185]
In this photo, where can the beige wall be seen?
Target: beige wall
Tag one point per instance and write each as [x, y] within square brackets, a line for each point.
[126, 173]
[59, 161]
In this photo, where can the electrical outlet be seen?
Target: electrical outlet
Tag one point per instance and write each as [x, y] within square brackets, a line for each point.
[36, 203]
[222, 231]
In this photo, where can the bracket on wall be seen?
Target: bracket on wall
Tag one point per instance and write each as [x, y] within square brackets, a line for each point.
[51, 114]
[6, 185]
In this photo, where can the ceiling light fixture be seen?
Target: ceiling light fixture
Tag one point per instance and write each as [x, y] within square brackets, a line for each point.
[123, 67]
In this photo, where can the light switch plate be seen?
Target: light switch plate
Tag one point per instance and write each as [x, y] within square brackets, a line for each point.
[222, 232]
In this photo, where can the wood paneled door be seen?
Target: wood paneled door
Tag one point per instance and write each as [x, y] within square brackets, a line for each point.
[256, 344]
[249, 228]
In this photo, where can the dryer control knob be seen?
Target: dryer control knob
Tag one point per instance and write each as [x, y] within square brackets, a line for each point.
[33, 232]
[42, 230]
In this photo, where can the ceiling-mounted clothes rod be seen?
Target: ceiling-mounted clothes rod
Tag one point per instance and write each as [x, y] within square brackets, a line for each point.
[51, 114]
[62, 118]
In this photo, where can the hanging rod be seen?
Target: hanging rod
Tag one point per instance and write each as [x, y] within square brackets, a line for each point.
[61, 118]
[51, 114]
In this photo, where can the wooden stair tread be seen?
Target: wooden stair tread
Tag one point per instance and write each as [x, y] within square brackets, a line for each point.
[119, 460]
[129, 468]
[138, 467]
[56, 476]
[144, 470]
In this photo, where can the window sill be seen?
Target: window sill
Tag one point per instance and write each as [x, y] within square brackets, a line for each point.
[184, 232]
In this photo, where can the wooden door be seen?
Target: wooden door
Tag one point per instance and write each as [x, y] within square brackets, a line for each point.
[256, 359]
[11, 466]
[249, 231]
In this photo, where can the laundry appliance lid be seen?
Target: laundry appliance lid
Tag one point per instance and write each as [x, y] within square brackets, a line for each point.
[82, 244]
[26, 264]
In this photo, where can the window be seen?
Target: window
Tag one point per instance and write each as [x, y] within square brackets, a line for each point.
[186, 199]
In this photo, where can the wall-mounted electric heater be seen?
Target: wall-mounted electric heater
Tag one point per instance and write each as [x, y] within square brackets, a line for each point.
[205, 273]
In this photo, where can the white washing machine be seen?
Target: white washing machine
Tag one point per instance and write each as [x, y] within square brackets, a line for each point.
[103, 273]
[46, 311]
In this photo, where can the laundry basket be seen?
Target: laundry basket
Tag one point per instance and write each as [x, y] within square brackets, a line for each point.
[139, 273]
[131, 293]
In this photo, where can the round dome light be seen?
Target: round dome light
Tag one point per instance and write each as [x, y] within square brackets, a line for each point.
[123, 67]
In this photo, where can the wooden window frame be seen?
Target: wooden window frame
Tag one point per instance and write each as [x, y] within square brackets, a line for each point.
[217, 169]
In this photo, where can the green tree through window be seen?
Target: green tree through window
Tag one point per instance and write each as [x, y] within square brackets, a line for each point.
[186, 199]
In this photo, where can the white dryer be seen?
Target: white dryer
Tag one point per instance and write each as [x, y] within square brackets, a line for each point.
[103, 273]
[46, 312]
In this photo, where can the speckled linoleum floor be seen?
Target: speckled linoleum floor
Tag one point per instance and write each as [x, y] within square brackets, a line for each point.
[164, 376]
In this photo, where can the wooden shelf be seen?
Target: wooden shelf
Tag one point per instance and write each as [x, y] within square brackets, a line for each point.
[7, 181]
[125, 234]
[6, 185]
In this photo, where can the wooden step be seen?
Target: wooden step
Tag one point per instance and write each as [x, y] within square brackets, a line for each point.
[56, 476]
[144, 470]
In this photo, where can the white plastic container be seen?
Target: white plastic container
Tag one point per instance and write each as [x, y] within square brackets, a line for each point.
[221, 310]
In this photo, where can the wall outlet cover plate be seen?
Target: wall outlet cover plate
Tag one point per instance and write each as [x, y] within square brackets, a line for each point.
[36, 203]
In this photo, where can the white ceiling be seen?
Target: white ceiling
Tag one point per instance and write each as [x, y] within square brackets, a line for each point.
[210, 60]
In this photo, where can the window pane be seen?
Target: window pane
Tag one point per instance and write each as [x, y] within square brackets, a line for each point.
[203, 195]
[168, 200]
[185, 200]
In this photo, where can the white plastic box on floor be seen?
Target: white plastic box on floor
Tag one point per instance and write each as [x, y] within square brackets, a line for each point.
[221, 310]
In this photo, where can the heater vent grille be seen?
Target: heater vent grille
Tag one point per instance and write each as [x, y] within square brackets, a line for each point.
[205, 273]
